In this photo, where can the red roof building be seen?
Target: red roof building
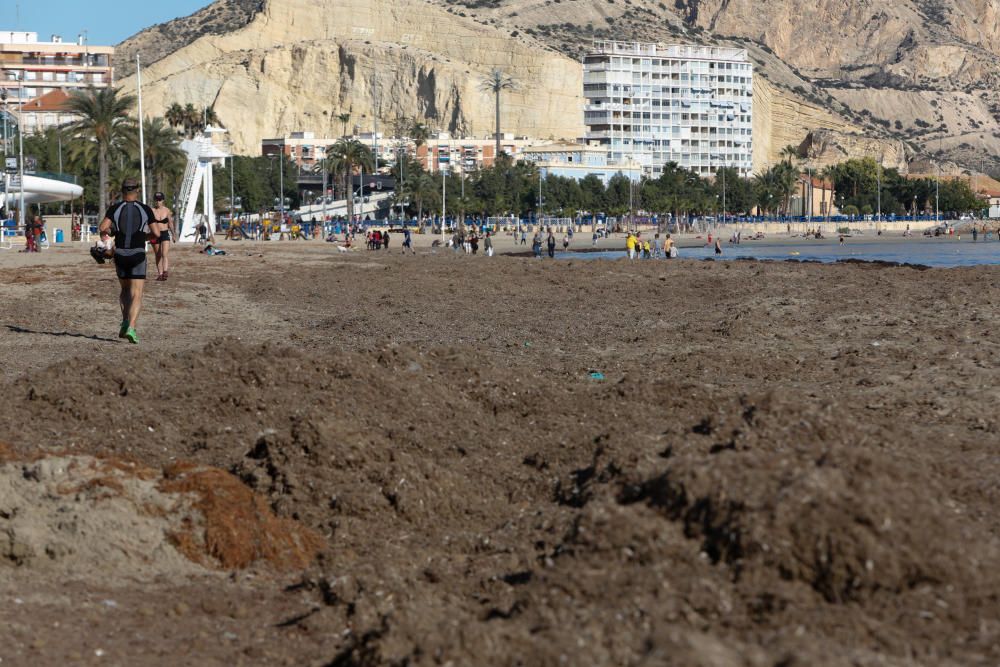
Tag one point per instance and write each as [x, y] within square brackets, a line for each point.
[49, 110]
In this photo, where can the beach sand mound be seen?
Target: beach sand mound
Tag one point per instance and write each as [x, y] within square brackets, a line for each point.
[790, 487]
[473, 508]
[88, 515]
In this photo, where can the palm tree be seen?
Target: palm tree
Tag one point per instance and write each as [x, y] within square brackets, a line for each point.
[789, 154]
[420, 133]
[827, 174]
[344, 118]
[496, 82]
[786, 176]
[344, 156]
[105, 122]
[420, 191]
[210, 117]
[164, 158]
[175, 115]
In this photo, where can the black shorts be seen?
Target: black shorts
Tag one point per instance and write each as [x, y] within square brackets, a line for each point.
[131, 267]
[165, 235]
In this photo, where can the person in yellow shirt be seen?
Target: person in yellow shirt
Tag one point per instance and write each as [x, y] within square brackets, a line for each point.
[645, 249]
[630, 245]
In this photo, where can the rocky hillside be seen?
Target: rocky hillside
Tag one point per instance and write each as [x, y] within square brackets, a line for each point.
[901, 80]
[163, 39]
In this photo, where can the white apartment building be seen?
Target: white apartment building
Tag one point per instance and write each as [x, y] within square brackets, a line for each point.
[650, 104]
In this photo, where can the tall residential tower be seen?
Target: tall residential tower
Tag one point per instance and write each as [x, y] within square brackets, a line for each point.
[649, 104]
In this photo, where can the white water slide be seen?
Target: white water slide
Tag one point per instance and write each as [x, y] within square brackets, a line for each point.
[38, 190]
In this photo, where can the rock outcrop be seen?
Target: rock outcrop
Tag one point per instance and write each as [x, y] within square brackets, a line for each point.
[300, 63]
[870, 76]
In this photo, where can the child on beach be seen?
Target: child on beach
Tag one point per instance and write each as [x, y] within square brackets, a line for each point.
[103, 249]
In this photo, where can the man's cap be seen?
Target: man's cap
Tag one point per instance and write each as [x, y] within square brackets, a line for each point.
[130, 184]
[159, 196]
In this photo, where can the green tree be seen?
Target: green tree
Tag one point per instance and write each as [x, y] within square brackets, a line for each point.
[344, 118]
[421, 190]
[496, 82]
[592, 193]
[175, 115]
[105, 123]
[419, 133]
[342, 158]
[165, 160]
[738, 190]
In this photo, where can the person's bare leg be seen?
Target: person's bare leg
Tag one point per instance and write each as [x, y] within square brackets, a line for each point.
[123, 298]
[165, 250]
[158, 253]
[135, 301]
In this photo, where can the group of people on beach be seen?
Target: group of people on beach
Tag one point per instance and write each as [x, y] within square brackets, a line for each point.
[377, 239]
[468, 242]
[34, 234]
[639, 248]
[124, 231]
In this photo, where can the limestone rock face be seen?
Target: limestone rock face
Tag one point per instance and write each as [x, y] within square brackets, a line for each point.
[901, 78]
[300, 63]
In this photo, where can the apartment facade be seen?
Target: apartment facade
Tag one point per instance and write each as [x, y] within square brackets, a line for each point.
[439, 153]
[577, 161]
[467, 154]
[649, 104]
[307, 150]
[32, 68]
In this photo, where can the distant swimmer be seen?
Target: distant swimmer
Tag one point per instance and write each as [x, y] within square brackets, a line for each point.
[131, 223]
[718, 247]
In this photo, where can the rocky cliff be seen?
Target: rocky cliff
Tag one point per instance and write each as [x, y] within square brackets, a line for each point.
[297, 64]
[898, 79]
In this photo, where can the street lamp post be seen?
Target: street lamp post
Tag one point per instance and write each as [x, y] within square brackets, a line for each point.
[878, 175]
[375, 93]
[3, 97]
[232, 189]
[809, 210]
[937, 188]
[540, 200]
[937, 196]
[20, 143]
[281, 185]
[723, 193]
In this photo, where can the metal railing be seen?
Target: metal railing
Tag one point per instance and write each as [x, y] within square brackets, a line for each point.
[65, 178]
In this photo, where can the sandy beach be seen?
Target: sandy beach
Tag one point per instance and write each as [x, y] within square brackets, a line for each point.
[326, 458]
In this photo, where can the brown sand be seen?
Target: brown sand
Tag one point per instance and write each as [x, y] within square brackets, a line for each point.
[784, 464]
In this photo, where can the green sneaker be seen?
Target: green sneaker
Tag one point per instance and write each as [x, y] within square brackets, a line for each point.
[122, 329]
[132, 336]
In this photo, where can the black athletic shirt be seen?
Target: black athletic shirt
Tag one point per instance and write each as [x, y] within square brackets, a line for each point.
[131, 225]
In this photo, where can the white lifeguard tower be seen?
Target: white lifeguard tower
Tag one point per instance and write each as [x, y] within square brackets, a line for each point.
[203, 152]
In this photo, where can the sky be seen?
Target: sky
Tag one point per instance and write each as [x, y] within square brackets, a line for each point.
[107, 22]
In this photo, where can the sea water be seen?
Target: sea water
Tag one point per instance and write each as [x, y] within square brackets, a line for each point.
[936, 252]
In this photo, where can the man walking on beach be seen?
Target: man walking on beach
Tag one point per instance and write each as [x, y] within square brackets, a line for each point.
[129, 222]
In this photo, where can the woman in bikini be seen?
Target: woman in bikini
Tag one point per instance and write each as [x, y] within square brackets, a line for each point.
[165, 221]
